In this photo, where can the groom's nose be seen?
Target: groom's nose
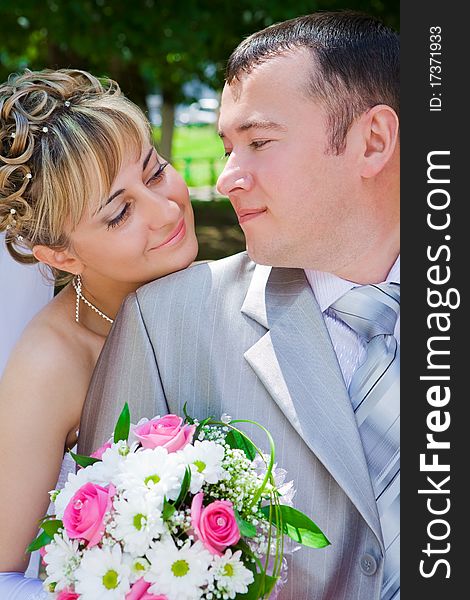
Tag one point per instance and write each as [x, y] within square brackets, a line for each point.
[233, 178]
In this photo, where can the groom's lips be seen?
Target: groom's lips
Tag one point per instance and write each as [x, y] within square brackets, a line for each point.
[175, 236]
[249, 213]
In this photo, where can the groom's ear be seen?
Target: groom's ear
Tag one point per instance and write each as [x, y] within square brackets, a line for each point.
[63, 260]
[380, 131]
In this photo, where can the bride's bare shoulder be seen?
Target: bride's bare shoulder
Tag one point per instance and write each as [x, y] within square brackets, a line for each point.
[51, 362]
[50, 334]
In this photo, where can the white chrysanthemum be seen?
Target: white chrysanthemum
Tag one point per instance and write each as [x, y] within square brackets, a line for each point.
[230, 574]
[138, 520]
[74, 483]
[154, 470]
[108, 468]
[63, 558]
[178, 573]
[138, 566]
[205, 460]
[102, 574]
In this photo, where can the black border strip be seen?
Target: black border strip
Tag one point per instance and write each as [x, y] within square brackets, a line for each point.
[434, 120]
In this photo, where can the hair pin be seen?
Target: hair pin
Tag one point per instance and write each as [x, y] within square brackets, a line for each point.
[13, 135]
[45, 129]
[28, 176]
[12, 211]
[67, 104]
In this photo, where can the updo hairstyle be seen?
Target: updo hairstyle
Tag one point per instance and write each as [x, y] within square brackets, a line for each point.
[63, 137]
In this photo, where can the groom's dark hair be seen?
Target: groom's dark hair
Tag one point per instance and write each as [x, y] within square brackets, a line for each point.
[357, 60]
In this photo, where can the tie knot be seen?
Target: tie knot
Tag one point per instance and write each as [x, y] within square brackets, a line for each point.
[370, 310]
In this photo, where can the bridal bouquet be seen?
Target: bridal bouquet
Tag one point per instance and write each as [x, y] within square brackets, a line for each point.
[172, 509]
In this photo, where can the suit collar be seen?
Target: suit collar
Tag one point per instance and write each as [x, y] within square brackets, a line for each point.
[296, 363]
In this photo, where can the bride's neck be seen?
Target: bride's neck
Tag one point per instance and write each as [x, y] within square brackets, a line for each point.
[107, 300]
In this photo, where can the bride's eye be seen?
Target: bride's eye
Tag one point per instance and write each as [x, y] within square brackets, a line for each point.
[158, 175]
[122, 216]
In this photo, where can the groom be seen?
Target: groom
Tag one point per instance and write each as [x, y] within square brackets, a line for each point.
[290, 333]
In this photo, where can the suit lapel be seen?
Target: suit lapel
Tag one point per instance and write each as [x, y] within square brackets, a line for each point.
[296, 363]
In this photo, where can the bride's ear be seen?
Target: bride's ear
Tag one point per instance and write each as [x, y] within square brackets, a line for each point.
[59, 259]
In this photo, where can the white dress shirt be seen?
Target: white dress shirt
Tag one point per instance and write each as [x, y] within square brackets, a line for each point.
[349, 347]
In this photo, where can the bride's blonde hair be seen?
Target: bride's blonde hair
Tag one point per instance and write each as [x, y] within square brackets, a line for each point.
[63, 137]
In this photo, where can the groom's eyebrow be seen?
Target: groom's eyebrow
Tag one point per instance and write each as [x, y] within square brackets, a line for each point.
[256, 124]
[118, 192]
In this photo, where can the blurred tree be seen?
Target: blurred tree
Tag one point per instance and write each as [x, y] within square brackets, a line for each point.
[147, 45]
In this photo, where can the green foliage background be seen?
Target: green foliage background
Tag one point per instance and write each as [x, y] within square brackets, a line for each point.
[156, 46]
[147, 45]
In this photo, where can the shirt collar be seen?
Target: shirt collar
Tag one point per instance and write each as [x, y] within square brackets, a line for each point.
[328, 287]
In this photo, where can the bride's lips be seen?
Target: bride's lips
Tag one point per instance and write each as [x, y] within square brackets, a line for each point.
[249, 213]
[175, 236]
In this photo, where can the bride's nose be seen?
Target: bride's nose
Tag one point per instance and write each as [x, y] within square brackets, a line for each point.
[159, 210]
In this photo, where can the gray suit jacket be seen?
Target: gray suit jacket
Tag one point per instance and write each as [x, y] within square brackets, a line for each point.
[231, 336]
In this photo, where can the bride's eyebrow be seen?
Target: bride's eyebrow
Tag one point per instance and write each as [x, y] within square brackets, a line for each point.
[118, 192]
[147, 158]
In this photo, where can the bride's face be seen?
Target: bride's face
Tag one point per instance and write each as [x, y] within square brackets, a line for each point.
[143, 230]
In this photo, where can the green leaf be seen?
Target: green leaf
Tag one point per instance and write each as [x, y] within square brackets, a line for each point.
[269, 583]
[82, 460]
[168, 510]
[298, 526]
[246, 529]
[246, 553]
[187, 418]
[184, 488]
[39, 542]
[236, 440]
[52, 526]
[200, 426]
[123, 425]
[260, 588]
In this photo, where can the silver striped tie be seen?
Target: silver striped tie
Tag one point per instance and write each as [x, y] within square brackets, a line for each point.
[372, 311]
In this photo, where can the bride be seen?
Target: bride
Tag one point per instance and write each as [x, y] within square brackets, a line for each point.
[82, 190]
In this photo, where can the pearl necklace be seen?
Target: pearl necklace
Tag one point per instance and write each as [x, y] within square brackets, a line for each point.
[77, 284]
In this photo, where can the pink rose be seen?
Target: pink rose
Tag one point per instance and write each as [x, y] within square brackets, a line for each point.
[84, 514]
[67, 595]
[215, 525]
[101, 450]
[139, 592]
[168, 432]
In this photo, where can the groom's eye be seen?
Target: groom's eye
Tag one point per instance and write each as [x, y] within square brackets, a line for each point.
[258, 143]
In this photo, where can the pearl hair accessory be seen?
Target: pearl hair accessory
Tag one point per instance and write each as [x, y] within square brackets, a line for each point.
[12, 222]
[45, 129]
[77, 284]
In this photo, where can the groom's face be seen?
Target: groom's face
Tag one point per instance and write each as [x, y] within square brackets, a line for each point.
[291, 195]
